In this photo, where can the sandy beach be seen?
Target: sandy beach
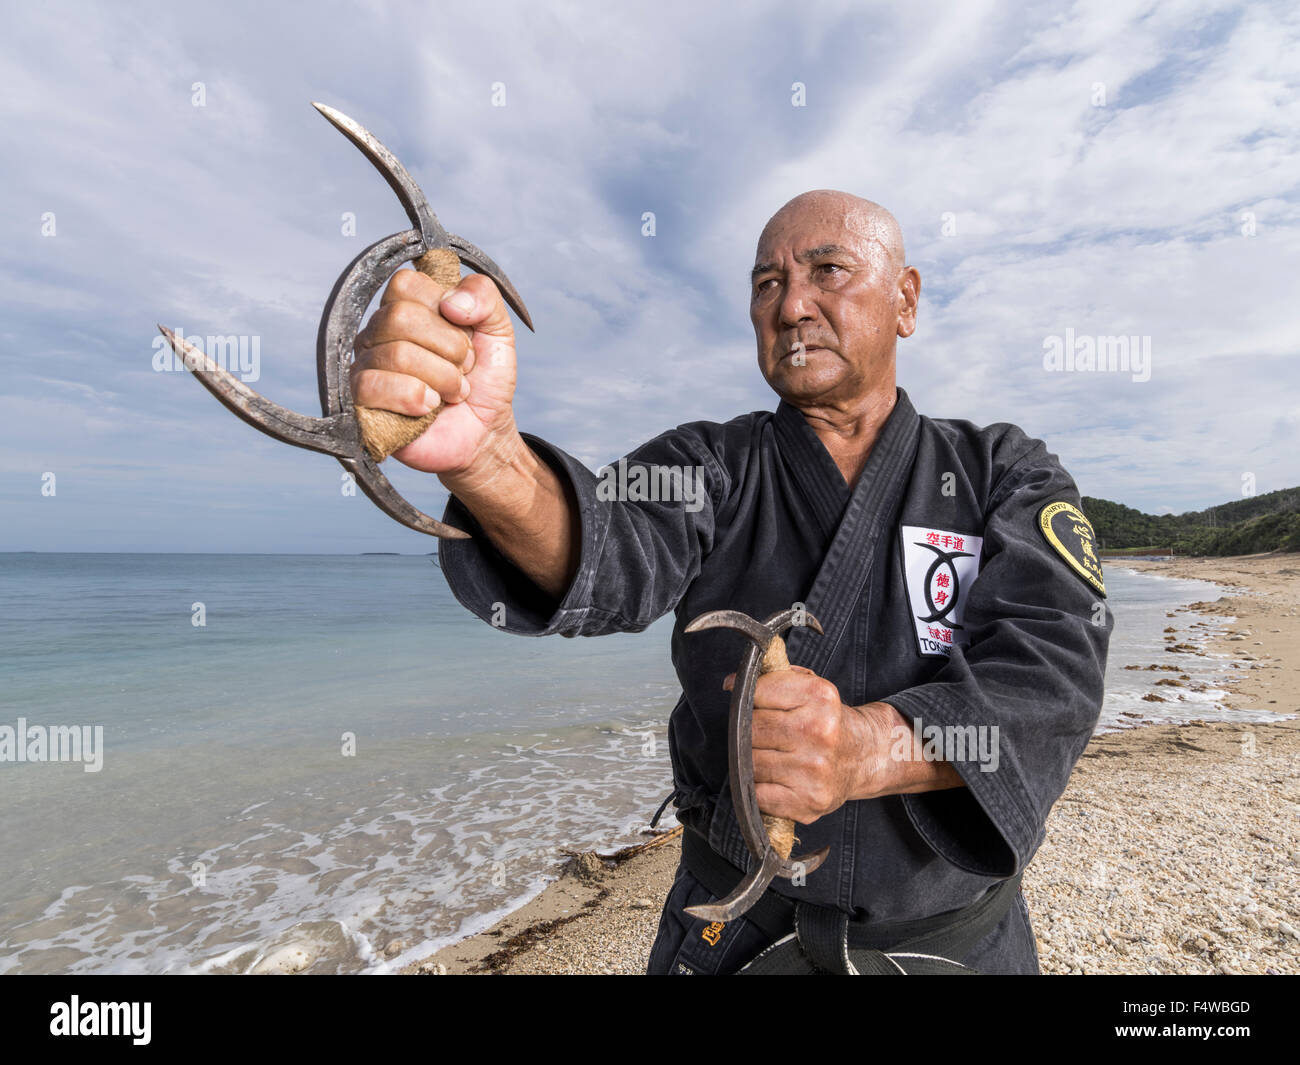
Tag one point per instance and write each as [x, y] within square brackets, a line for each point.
[1174, 849]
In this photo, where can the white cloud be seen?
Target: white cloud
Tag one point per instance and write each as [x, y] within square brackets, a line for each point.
[1123, 219]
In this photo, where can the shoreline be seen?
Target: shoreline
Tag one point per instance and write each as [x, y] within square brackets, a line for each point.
[1172, 850]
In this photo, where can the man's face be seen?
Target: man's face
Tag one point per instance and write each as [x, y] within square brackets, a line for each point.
[823, 278]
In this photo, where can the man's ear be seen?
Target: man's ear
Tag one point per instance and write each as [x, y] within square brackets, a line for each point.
[909, 290]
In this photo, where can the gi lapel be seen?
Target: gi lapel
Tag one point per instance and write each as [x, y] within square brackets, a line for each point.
[859, 522]
[866, 520]
[812, 470]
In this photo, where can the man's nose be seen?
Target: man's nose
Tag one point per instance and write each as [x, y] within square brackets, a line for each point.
[798, 302]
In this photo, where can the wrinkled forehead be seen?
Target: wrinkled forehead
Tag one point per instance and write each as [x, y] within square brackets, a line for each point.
[800, 230]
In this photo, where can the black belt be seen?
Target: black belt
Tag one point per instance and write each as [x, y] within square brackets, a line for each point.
[813, 939]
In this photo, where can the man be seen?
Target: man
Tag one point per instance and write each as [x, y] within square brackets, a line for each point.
[925, 736]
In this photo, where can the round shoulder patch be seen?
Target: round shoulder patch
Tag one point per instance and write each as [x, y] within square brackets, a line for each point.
[1069, 532]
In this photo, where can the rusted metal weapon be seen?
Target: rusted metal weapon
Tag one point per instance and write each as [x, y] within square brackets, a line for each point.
[769, 839]
[359, 437]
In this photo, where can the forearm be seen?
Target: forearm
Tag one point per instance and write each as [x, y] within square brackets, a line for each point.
[528, 512]
[882, 771]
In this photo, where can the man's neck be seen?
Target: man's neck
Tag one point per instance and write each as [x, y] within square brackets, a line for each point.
[850, 432]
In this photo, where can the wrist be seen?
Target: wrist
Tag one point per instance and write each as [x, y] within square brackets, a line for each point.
[878, 772]
[499, 461]
[912, 774]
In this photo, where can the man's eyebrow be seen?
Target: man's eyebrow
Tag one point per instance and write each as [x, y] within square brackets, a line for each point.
[819, 251]
[803, 257]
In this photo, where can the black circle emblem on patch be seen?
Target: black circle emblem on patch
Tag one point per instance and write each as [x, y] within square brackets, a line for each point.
[1070, 534]
[949, 594]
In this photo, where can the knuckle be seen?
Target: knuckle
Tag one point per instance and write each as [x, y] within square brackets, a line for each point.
[480, 285]
[820, 729]
[405, 319]
[407, 357]
[399, 356]
[417, 361]
[458, 345]
[413, 390]
[404, 284]
[363, 387]
[818, 768]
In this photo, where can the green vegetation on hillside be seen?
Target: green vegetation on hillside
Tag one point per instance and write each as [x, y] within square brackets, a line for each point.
[1269, 522]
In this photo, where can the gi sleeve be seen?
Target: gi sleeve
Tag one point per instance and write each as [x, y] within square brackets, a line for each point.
[1033, 670]
[645, 523]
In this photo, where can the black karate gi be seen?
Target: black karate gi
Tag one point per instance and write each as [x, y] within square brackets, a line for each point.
[779, 525]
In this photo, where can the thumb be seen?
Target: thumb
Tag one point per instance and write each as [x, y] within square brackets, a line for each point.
[477, 302]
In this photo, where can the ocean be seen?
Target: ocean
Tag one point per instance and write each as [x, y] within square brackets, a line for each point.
[329, 751]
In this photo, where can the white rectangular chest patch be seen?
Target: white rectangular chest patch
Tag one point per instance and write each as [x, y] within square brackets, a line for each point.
[940, 567]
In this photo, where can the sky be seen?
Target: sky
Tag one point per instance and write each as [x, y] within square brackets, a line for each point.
[1068, 170]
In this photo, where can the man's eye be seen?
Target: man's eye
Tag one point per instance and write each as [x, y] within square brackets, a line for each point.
[827, 267]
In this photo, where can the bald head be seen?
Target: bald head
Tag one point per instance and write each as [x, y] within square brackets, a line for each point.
[877, 230]
[830, 294]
